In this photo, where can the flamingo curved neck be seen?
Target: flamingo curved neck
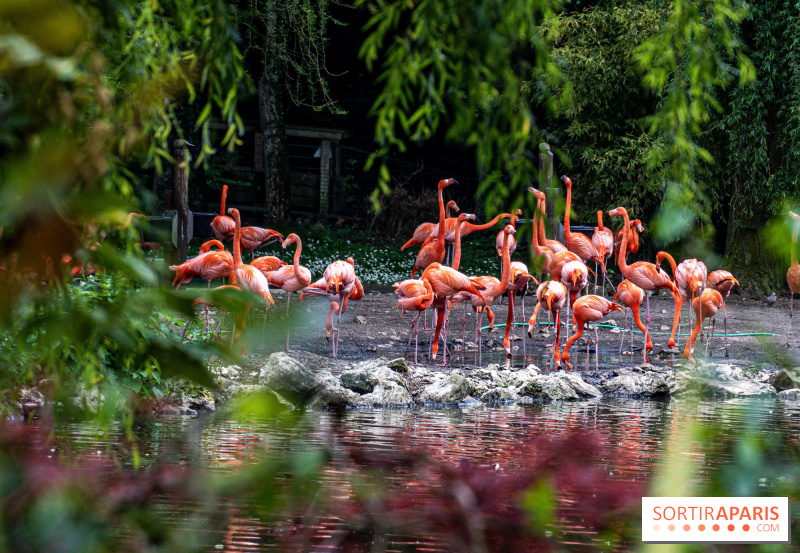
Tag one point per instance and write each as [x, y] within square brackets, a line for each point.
[506, 274]
[441, 217]
[600, 221]
[490, 224]
[237, 242]
[567, 231]
[664, 255]
[622, 262]
[538, 228]
[297, 258]
[457, 252]
[542, 237]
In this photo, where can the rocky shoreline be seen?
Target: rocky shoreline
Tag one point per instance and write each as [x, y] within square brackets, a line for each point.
[301, 381]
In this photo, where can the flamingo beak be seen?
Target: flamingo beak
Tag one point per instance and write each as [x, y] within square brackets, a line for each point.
[549, 302]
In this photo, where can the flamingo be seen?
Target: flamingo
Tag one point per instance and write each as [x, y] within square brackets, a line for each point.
[512, 242]
[209, 265]
[423, 231]
[634, 229]
[575, 241]
[419, 302]
[252, 238]
[245, 276]
[433, 251]
[588, 309]
[554, 245]
[268, 264]
[338, 281]
[722, 282]
[541, 252]
[493, 288]
[793, 274]
[558, 261]
[631, 296]
[690, 278]
[603, 240]
[575, 276]
[704, 306]
[223, 226]
[291, 278]
[645, 275]
[518, 280]
[553, 296]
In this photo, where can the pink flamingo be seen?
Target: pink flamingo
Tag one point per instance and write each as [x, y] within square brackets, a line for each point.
[553, 296]
[722, 282]
[338, 281]
[588, 309]
[433, 251]
[291, 278]
[603, 240]
[704, 306]
[419, 302]
[223, 226]
[646, 276]
[631, 296]
[423, 231]
[690, 278]
[268, 264]
[576, 242]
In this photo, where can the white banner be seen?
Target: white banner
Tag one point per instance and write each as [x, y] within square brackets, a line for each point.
[716, 520]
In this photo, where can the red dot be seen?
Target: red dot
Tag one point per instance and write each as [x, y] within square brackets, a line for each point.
[686, 527]
[731, 527]
[701, 527]
[671, 527]
[716, 527]
[746, 527]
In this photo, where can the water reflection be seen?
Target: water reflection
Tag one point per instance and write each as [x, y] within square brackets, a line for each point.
[634, 433]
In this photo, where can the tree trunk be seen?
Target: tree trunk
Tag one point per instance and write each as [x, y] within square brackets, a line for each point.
[277, 178]
[748, 257]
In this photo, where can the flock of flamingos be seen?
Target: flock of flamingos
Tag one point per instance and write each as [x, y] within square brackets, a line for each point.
[441, 286]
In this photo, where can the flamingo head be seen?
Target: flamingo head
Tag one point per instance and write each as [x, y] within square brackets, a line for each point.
[566, 180]
[620, 211]
[446, 182]
[453, 205]
[615, 306]
[510, 230]
[639, 226]
[291, 239]
[350, 261]
[575, 276]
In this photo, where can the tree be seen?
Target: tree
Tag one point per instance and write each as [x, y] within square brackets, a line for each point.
[290, 38]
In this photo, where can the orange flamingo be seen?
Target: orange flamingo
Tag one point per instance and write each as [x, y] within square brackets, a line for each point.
[512, 242]
[575, 276]
[575, 241]
[253, 238]
[704, 306]
[268, 264]
[423, 231]
[558, 261]
[247, 277]
[631, 296]
[722, 282]
[518, 281]
[634, 229]
[543, 254]
[643, 274]
[338, 281]
[553, 296]
[223, 226]
[793, 274]
[419, 302]
[433, 252]
[208, 265]
[589, 309]
[690, 278]
[291, 278]
[492, 289]
[603, 240]
[554, 245]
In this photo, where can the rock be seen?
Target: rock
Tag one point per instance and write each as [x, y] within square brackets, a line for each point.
[665, 328]
[387, 393]
[360, 320]
[663, 311]
[289, 377]
[783, 380]
[557, 386]
[451, 389]
[370, 348]
[190, 397]
[792, 394]
[611, 322]
[398, 365]
[516, 379]
[364, 376]
[228, 372]
[615, 330]
[241, 391]
[632, 384]
[469, 401]
[499, 396]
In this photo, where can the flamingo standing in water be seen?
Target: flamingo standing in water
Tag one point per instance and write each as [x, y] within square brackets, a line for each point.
[576, 242]
[493, 288]
[722, 282]
[223, 226]
[603, 240]
[588, 309]
[423, 231]
[793, 274]
[553, 296]
[245, 276]
[291, 278]
[704, 306]
[690, 278]
[645, 275]
[416, 300]
[631, 296]
[433, 251]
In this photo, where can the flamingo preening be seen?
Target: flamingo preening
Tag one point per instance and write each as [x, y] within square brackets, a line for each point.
[553, 296]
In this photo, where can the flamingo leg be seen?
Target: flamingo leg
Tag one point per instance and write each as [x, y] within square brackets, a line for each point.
[464, 331]
[288, 297]
[557, 353]
[647, 324]
[791, 310]
[710, 334]
[413, 324]
[624, 326]
[595, 279]
[416, 339]
[596, 352]
[524, 349]
[725, 323]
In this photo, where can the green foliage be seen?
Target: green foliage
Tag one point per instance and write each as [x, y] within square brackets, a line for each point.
[462, 66]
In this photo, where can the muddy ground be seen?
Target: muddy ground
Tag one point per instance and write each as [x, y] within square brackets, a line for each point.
[372, 327]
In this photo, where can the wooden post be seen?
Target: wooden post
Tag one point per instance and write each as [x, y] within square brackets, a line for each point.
[182, 199]
[324, 175]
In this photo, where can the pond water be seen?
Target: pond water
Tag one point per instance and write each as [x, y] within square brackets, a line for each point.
[636, 436]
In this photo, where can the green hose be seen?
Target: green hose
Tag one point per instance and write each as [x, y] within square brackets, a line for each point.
[652, 333]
